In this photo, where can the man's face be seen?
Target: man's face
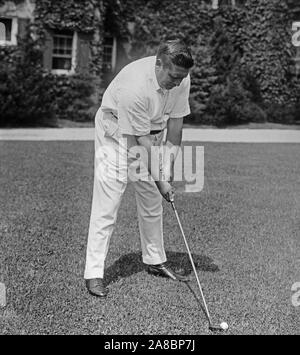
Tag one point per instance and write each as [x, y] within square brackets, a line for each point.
[170, 77]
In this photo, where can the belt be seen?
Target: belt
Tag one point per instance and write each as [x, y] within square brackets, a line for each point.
[152, 133]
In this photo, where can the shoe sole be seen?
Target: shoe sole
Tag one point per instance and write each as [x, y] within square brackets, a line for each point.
[159, 274]
[96, 295]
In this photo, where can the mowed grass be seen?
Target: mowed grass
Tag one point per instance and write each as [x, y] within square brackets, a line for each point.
[243, 230]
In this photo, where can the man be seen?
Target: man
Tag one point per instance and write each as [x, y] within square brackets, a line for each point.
[146, 97]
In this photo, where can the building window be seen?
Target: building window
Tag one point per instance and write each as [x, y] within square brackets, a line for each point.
[218, 3]
[109, 54]
[8, 31]
[215, 4]
[64, 52]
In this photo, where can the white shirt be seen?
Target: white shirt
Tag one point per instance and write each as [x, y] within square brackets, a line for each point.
[140, 104]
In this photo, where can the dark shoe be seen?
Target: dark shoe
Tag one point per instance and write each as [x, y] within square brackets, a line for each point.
[96, 287]
[165, 271]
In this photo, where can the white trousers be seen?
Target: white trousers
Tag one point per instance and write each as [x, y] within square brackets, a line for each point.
[110, 180]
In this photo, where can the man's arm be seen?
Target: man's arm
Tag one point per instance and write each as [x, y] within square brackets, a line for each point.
[173, 144]
[154, 167]
[174, 131]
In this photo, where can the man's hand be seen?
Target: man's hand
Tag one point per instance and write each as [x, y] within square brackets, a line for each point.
[166, 190]
[168, 172]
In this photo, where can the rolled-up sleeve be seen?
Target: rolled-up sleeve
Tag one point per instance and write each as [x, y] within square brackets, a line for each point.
[133, 117]
[182, 106]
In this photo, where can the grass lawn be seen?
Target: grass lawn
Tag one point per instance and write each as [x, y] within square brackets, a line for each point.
[243, 230]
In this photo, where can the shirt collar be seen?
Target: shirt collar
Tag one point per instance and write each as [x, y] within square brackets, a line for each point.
[153, 77]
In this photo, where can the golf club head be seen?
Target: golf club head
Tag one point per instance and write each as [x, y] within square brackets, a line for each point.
[216, 328]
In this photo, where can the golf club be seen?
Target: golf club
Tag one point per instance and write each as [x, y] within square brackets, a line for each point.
[223, 326]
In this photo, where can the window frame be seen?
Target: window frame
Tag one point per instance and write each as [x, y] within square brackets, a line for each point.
[73, 55]
[216, 4]
[14, 32]
[113, 53]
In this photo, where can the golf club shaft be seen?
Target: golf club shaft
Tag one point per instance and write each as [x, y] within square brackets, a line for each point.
[192, 261]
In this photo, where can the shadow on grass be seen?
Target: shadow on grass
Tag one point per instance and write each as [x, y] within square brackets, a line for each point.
[131, 264]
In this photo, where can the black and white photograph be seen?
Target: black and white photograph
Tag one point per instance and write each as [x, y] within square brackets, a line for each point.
[150, 170]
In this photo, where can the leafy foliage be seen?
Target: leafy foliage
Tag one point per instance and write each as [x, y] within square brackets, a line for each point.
[80, 14]
[242, 53]
[26, 94]
[75, 97]
[268, 49]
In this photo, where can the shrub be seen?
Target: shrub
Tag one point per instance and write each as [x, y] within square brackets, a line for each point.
[285, 114]
[231, 104]
[76, 97]
[26, 94]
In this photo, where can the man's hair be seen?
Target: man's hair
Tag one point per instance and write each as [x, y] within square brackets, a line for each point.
[176, 51]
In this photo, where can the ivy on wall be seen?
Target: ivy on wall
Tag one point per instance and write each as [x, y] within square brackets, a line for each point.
[244, 53]
[247, 47]
[79, 95]
[82, 16]
[268, 50]
[67, 14]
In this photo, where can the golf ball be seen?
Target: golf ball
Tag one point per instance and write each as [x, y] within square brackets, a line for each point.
[224, 325]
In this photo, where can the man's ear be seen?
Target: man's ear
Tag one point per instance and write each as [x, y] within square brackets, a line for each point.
[159, 62]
